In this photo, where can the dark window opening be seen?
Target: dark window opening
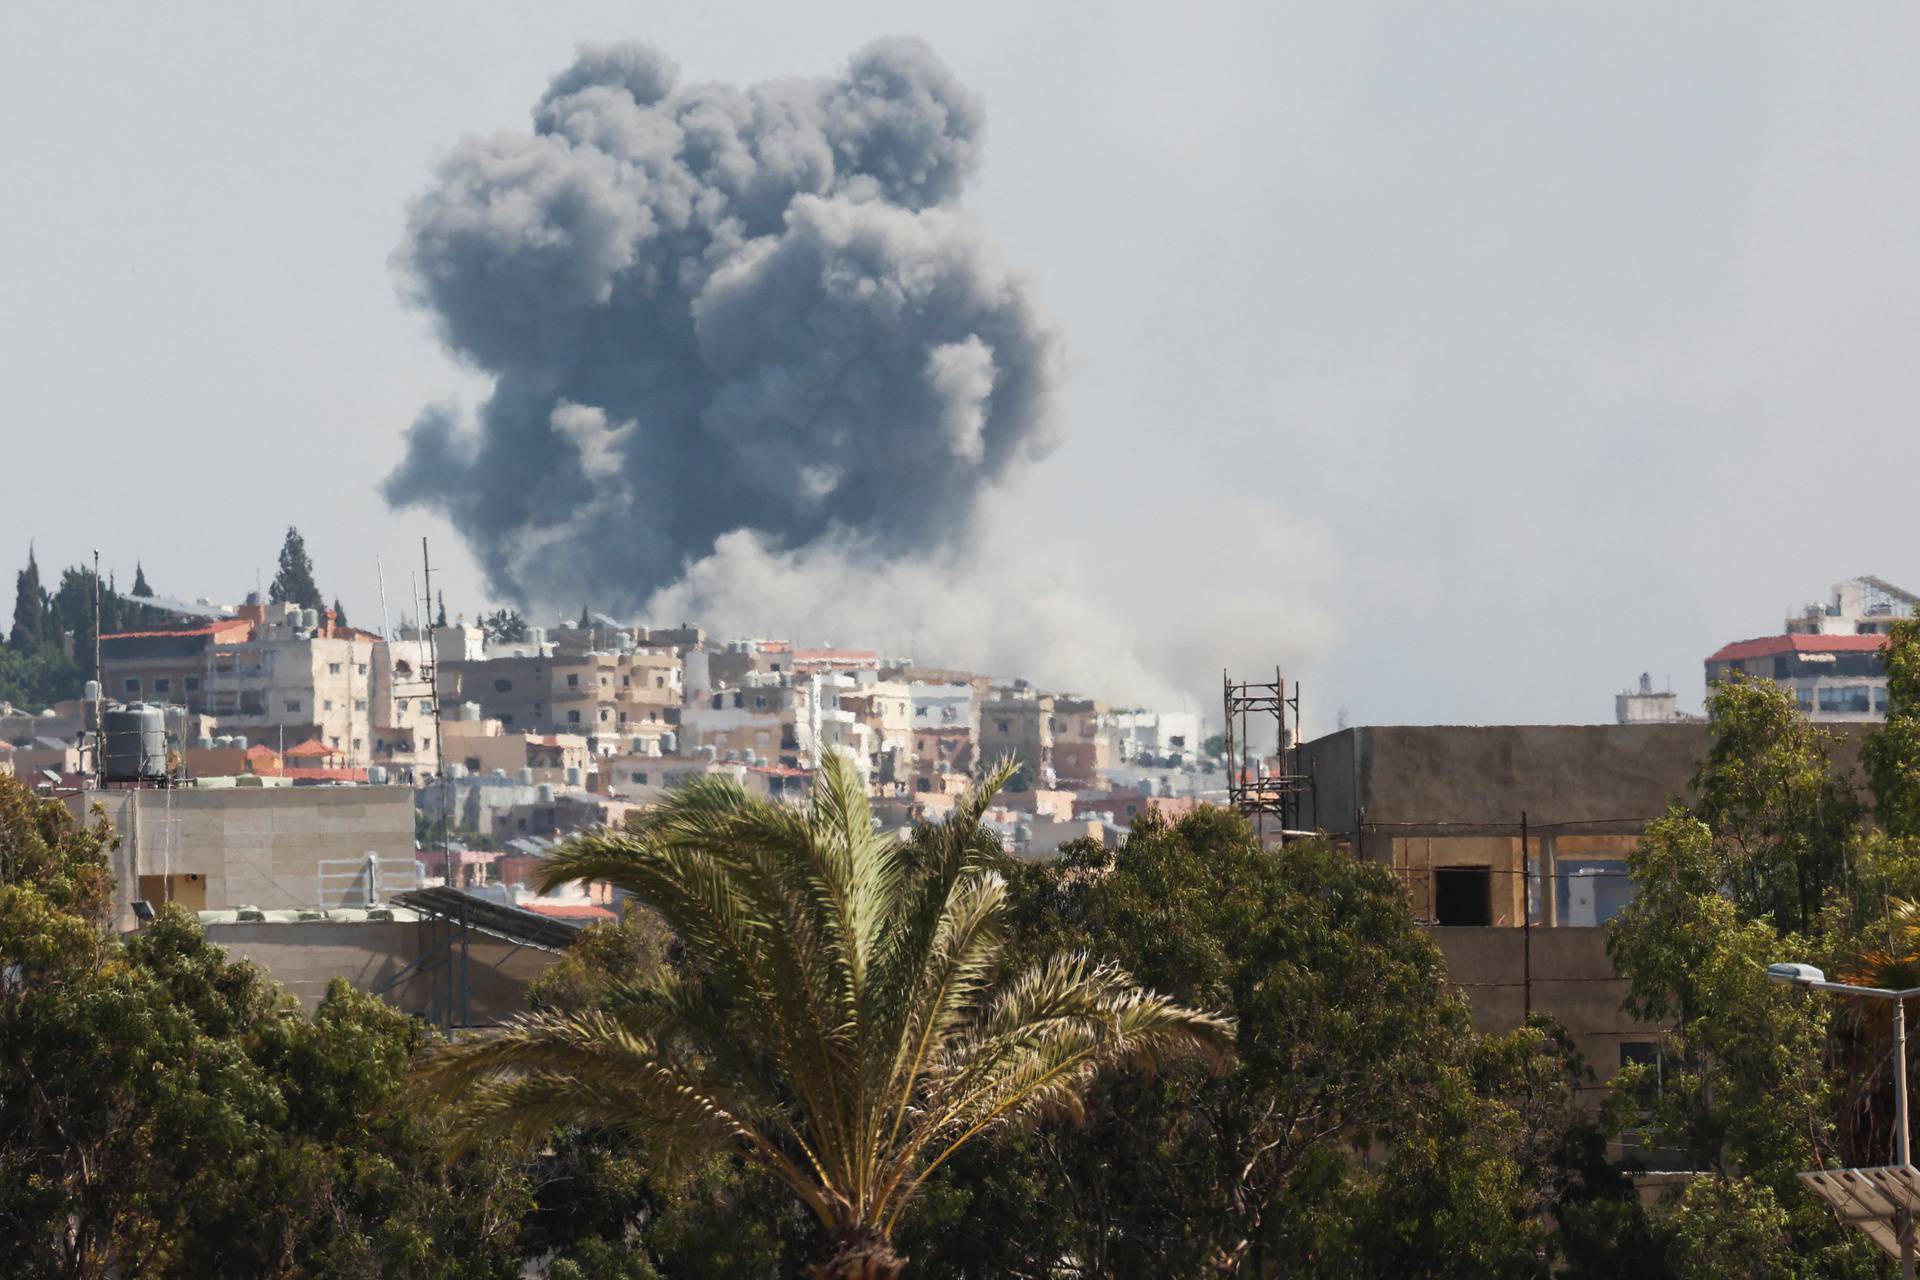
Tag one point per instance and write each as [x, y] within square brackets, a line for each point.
[1463, 896]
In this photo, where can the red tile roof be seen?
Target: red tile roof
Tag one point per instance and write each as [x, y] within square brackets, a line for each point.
[1769, 646]
[218, 629]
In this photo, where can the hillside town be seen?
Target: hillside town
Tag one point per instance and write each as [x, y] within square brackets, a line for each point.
[1033, 597]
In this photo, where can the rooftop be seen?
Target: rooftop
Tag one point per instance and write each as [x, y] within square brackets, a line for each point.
[1769, 646]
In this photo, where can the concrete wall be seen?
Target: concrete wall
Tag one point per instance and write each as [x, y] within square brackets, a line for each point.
[1572, 979]
[269, 847]
[305, 955]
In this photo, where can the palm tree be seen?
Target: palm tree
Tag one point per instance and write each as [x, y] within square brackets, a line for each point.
[838, 1018]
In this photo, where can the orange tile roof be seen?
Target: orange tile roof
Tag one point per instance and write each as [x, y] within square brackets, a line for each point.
[1768, 646]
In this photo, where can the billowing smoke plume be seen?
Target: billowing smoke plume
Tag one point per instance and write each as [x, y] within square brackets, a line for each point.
[708, 310]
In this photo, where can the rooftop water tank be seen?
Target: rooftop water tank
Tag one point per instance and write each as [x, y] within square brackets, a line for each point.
[136, 744]
[239, 742]
[469, 711]
[526, 777]
[93, 691]
[545, 793]
[377, 775]
[667, 743]
[203, 742]
[310, 619]
[573, 776]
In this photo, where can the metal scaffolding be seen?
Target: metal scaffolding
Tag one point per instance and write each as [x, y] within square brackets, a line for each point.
[1258, 785]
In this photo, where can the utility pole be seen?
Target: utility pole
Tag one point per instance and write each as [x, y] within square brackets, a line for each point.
[439, 739]
[99, 688]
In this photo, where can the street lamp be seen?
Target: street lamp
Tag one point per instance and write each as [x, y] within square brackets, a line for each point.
[1806, 975]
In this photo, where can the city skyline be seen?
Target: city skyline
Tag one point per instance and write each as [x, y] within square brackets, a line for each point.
[1569, 398]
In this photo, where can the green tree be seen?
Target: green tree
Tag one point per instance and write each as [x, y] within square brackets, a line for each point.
[504, 626]
[339, 612]
[836, 1025]
[1781, 821]
[29, 632]
[1347, 1038]
[1756, 1082]
[440, 619]
[167, 1112]
[35, 681]
[1891, 752]
[140, 587]
[294, 583]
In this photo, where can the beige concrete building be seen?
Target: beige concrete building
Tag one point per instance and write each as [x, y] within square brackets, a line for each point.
[271, 673]
[940, 754]
[601, 696]
[1081, 746]
[221, 847]
[1018, 722]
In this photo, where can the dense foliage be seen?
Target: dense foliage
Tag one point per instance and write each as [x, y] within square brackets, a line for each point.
[35, 669]
[165, 1111]
[844, 1021]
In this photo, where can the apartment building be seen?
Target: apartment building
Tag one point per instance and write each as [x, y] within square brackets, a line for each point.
[272, 672]
[1017, 721]
[604, 696]
[1828, 655]
[1081, 745]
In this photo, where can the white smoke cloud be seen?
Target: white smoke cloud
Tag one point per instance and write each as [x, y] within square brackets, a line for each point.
[998, 608]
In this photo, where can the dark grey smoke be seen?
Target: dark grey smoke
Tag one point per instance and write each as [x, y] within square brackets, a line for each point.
[708, 309]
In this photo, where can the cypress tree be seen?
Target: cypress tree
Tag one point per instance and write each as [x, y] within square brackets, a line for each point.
[294, 583]
[441, 621]
[339, 613]
[140, 587]
[29, 608]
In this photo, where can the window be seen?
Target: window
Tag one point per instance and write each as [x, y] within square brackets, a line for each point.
[327, 705]
[605, 715]
[1463, 896]
[356, 744]
[759, 702]
[1846, 699]
[360, 668]
[1880, 698]
[573, 680]
[333, 668]
[293, 705]
[506, 720]
[1002, 724]
[132, 684]
[334, 741]
[426, 708]
[573, 717]
[1642, 1053]
[161, 684]
[739, 701]
[660, 682]
[503, 686]
[640, 778]
[192, 683]
[359, 704]
[1178, 739]
[473, 764]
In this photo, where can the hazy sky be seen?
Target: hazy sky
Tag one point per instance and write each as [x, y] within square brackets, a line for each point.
[1512, 350]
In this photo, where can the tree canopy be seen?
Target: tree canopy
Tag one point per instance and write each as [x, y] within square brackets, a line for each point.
[844, 1024]
[294, 583]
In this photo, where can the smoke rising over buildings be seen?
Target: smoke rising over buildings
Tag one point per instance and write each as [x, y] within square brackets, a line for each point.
[708, 310]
